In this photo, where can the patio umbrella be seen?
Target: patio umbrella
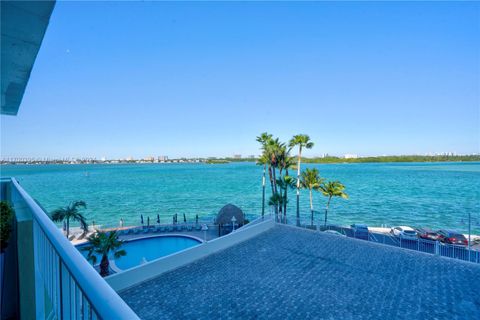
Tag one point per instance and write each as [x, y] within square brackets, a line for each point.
[184, 218]
[196, 219]
[158, 218]
[141, 218]
[148, 221]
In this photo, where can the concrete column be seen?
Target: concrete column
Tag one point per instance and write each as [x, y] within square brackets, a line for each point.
[26, 268]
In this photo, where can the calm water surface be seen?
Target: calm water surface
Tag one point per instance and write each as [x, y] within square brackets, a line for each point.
[427, 194]
[148, 249]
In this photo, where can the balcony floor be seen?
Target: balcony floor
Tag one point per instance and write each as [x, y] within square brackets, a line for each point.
[292, 273]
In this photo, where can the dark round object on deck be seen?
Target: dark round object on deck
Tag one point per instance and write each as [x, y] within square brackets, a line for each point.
[225, 215]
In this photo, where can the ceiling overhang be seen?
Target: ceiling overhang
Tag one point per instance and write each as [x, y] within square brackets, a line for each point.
[23, 26]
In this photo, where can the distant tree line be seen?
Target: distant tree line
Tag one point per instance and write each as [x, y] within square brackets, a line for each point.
[405, 158]
[402, 158]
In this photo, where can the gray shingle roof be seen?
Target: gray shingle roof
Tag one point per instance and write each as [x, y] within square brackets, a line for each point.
[289, 273]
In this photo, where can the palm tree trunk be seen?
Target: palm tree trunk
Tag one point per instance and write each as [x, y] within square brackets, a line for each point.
[275, 191]
[285, 201]
[280, 206]
[274, 180]
[271, 177]
[298, 185]
[68, 226]
[326, 210]
[311, 208]
[263, 191]
[104, 266]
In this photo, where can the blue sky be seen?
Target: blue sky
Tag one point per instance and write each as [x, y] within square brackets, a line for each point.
[120, 79]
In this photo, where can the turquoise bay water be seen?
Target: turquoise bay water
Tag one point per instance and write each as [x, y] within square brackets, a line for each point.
[418, 194]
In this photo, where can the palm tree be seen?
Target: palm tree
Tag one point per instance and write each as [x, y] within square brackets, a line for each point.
[310, 179]
[285, 182]
[71, 213]
[302, 141]
[276, 201]
[274, 150]
[285, 162]
[332, 189]
[263, 140]
[104, 243]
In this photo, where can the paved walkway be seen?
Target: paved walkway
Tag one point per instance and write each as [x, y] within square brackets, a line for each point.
[289, 273]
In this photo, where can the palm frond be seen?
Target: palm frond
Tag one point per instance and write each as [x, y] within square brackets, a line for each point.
[77, 204]
[58, 214]
[302, 141]
[83, 222]
[120, 253]
[93, 258]
[333, 189]
[310, 179]
[275, 200]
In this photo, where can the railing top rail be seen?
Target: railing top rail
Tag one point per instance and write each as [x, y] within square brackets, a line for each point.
[106, 302]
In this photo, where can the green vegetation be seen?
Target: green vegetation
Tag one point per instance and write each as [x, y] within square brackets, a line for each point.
[277, 161]
[6, 218]
[332, 189]
[102, 243]
[276, 157]
[310, 179]
[403, 158]
[240, 159]
[217, 161]
[406, 158]
[71, 213]
[302, 141]
[263, 160]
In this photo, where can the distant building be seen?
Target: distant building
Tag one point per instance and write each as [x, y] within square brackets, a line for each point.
[148, 159]
[162, 158]
[351, 156]
[237, 156]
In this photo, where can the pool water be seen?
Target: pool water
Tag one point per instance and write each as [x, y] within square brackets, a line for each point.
[143, 250]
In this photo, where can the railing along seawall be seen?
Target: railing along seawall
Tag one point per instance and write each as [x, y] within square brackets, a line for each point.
[464, 253]
[66, 285]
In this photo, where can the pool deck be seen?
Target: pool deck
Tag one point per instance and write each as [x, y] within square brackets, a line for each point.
[211, 233]
[287, 272]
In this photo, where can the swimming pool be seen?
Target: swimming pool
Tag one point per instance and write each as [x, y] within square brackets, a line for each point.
[142, 250]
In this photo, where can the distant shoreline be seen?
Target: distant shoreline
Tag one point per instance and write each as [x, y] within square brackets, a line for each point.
[322, 160]
[380, 159]
[392, 159]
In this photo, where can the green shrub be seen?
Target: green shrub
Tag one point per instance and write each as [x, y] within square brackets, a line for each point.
[6, 216]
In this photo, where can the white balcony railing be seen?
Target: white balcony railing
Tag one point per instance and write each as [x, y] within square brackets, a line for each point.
[66, 285]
